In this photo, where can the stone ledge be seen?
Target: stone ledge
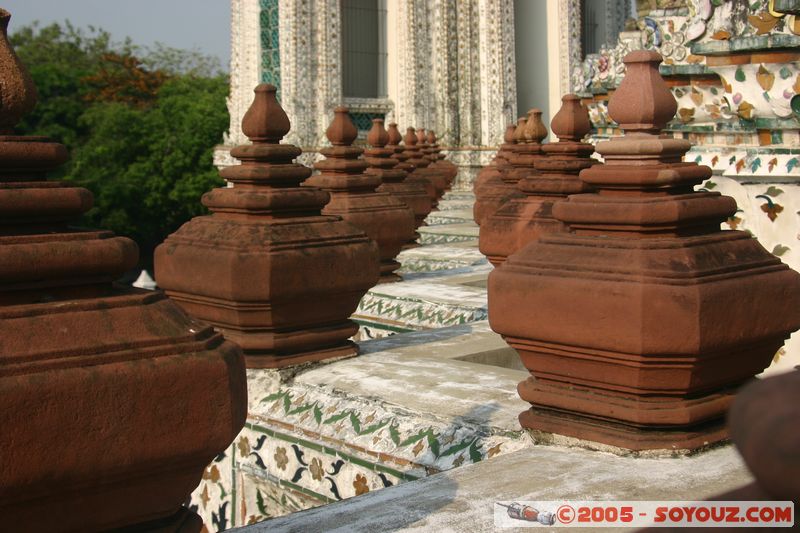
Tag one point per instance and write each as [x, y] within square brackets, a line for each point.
[462, 500]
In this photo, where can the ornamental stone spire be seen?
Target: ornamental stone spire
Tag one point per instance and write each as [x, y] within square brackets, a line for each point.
[267, 268]
[422, 163]
[402, 154]
[498, 182]
[385, 166]
[441, 164]
[639, 326]
[499, 162]
[113, 400]
[543, 181]
[384, 218]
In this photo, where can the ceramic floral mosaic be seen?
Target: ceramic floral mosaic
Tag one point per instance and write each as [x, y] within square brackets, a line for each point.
[306, 446]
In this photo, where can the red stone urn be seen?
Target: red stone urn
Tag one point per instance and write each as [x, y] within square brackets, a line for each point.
[383, 217]
[112, 400]
[266, 267]
[403, 155]
[421, 163]
[521, 220]
[499, 185]
[448, 168]
[499, 162]
[639, 327]
[383, 164]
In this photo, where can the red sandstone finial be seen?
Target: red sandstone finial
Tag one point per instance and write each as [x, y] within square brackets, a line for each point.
[265, 120]
[377, 136]
[17, 90]
[509, 135]
[394, 134]
[519, 131]
[431, 137]
[342, 131]
[571, 123]
[535, 130]
[411, 137]
[643, 103]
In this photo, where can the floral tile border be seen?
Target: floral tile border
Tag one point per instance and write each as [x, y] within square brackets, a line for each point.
[395, 314]
[306, 446]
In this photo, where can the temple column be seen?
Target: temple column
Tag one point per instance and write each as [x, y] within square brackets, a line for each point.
[413, 55]
[498, 87]
[245, 71]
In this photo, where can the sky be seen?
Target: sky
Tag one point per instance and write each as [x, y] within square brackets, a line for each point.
[203, 25]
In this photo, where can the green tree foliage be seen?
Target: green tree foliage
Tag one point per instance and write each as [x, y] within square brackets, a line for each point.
[140, 128]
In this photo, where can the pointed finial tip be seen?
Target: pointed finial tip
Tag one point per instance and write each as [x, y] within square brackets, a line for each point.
[411, 137]
[377, 137]
[519, 131]
[18, 96]
[535, 130]
[342, 131]
[642, 103]
[394, 134]
[265, 120]
[571, 123]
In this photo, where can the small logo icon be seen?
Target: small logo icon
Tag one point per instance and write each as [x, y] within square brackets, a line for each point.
[566, 514]
[517, 511]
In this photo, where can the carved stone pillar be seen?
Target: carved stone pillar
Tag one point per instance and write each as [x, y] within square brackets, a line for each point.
[112, 400]
[495, 188]
[638, 327]
[543, 181]
[383, 217]
[383, 164]
[422, 164]
[403, 155]
[266, 267]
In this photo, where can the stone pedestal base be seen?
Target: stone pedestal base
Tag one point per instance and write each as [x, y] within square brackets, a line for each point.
[625, 438]
[675, 423]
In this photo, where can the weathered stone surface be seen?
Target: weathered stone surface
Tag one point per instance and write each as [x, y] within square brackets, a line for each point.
[521, 220]
[382, 216]
[383, 164]
[634, 327]
[112, 400]
[500, 160]
[462, 500]
[403, 154]
[498, 181]
[449, 168]
[266, 267]
[421, 163]
[765, 426]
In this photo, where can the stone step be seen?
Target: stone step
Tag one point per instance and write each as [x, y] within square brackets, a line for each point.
[449, 216]
[448, 233]
[437, 257]
[429, 301]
